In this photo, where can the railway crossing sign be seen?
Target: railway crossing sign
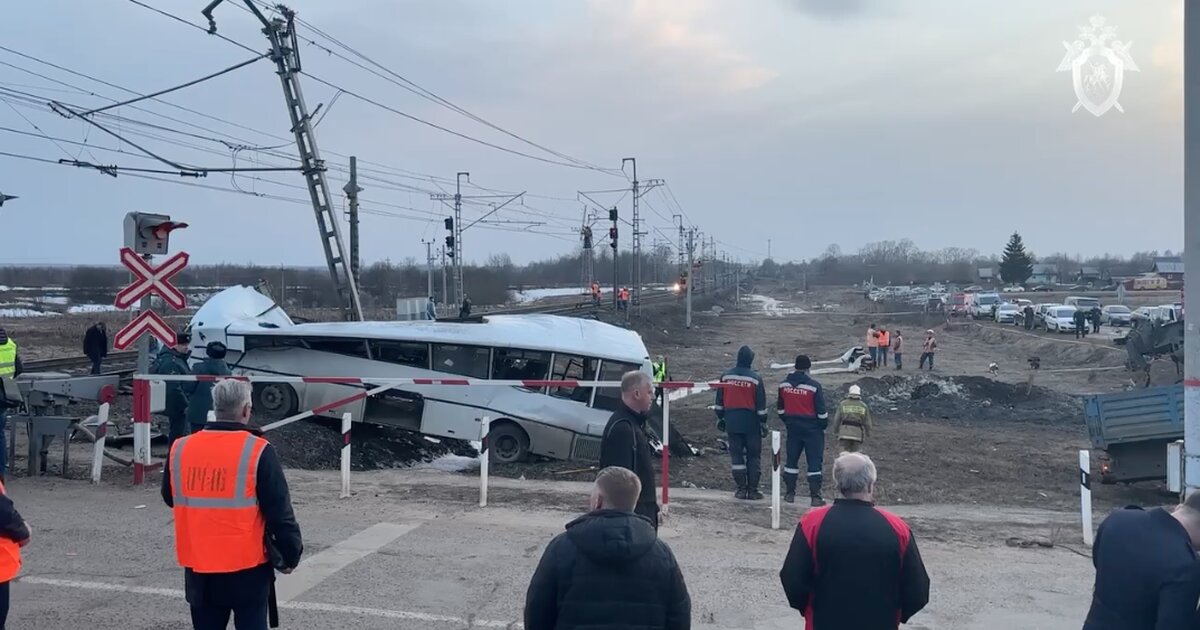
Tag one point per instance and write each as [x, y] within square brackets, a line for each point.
[147, 322]
[150, 280]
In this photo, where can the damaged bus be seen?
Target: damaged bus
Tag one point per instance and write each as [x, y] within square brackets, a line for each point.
[558, 422]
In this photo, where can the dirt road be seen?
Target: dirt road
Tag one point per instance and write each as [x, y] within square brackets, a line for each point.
[410, 550]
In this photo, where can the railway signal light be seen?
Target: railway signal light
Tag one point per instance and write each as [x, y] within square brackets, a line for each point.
[612, 233]
[450, 246]
[449, 224]
[612, 215]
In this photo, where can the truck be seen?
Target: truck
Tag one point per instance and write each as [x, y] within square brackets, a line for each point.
[1133, 429]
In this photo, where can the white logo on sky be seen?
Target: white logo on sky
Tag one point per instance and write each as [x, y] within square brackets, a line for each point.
[1097, 61]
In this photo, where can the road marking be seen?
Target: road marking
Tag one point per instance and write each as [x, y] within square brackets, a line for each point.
[306, 606]
[312, 571]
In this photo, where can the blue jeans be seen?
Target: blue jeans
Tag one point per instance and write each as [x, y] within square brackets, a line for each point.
[883, 355]
[874, 353]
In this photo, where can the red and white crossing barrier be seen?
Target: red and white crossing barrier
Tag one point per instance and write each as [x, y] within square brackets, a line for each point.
[371, 386]
[101, 438]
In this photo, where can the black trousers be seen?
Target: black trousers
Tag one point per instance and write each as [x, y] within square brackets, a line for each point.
[215, 597]
[745, 455]
[649, 510]
[96, 364]
[214, 617]
[3, 604]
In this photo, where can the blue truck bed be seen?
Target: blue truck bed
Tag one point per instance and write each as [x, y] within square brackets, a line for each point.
[1133, 428]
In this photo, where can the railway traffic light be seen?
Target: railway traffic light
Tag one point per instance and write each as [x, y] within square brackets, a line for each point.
[612, 215]
[612, 233]
[147, 233]
[449, 224]
[450, 246]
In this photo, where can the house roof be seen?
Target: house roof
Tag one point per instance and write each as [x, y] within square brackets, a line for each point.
[1044, 268]
[1090, 271]
[1168, 267]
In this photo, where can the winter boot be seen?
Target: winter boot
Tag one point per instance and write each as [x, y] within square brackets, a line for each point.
[814, 491]
[739, 478]
[789, 481]
[752, 492]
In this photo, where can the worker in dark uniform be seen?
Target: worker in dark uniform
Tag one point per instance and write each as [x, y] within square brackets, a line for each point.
[199, 394]
[742, 413]
[801, 406]
[230, 537]
[1028, 317]
[173, 362]
[1094, 315]
[1080, 319]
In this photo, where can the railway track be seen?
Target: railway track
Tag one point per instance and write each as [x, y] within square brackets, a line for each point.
[124, 362]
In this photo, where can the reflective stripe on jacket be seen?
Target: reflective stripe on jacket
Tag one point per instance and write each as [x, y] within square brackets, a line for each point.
[8, 358]
[10, 553]
[218, 525]
[660, 372]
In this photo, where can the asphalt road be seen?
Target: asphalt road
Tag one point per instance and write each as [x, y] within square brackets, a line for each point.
[412, 550]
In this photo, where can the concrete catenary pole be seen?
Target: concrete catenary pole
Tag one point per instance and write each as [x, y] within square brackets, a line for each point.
[1191, 243]
[428, 266]
[352, 189]
[691, 246]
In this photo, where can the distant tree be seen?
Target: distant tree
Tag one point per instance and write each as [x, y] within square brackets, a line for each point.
[1015, 266]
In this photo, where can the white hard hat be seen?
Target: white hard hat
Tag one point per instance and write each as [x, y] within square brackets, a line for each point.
[855, 390]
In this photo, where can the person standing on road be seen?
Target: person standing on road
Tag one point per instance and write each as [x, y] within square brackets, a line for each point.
[884, 343]
[465, 310]
[741, 408]
[851, 564]
[430, 309]
[230, 537]
[624, 442]
[928, 349]
[609, 569]
[1146, 571]
[801, 406]
[898, 350]
[14, 534]
[873, 344]
[852, 421]
[1028, 317]
[1095, 317]
[173, 362]
[95, 345]
[660, 374]
[10, 368]
[199, 395]
[1080, 319]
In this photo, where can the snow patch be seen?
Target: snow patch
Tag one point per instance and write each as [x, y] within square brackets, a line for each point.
[92, 308]
[24, 312]
[53, 299]
[772, 307]
[533, 295]
[450, 463]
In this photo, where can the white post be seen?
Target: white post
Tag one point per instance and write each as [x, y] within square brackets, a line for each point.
[101, 438]
[666, 453]
[212, 416]
[141, 446]
[345, 455]
[775, 480]
[1085, 495]
[484, 447]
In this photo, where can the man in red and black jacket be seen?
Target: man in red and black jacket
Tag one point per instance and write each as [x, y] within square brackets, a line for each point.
[801, 406]
[852, 565]
[741, 408]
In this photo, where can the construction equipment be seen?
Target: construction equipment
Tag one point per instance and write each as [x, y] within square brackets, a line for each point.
[1153, 339]
[1133, 429]
[47, 398]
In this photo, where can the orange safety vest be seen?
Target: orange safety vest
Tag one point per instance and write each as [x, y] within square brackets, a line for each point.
[872, 340]
[885, 339]
[218, 526]
[10, 554]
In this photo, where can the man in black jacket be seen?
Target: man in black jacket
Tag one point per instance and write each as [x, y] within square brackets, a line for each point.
[95, 345]
[247, 594]
[609, 569]
[1146, 572]
[625, 444]
[871, 575]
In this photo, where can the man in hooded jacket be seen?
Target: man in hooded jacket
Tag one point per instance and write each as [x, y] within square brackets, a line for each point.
[199, 394]
[801, 406]
[174, 362]
[609, 569]
[741, 408]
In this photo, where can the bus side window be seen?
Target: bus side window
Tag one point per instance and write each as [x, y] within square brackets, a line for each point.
[469, 361]
[573, 368]
[609, 398]
[512, 364]
[339, 345]
[408, 353]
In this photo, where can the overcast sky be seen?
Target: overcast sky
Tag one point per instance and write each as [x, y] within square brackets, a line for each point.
[807, 122]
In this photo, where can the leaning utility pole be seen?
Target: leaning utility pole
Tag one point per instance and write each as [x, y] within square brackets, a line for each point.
[285, 52]
[1191, 244]
[352, 189]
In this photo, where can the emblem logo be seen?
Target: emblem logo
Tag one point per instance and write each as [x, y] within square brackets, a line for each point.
[1097, 61]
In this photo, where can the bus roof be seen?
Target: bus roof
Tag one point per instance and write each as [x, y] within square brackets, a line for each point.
[531, 332]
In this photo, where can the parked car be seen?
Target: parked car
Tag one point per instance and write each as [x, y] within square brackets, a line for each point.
[1022, 302]
[1042, 288]
[1005, 313]
[984, 305]
[1039, 313]
[1060, 319]
[1016, 288]
[974, 288]
[1116, 315]
[1082, 303]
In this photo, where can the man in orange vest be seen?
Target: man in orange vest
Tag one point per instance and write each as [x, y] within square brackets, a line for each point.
[884, 339]
[234, 524]
[14, 534]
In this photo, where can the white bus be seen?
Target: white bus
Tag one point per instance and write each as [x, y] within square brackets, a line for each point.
[559, 422]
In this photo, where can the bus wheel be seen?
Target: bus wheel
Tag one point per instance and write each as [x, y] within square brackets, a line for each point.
[275, 401]
[509, 442]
